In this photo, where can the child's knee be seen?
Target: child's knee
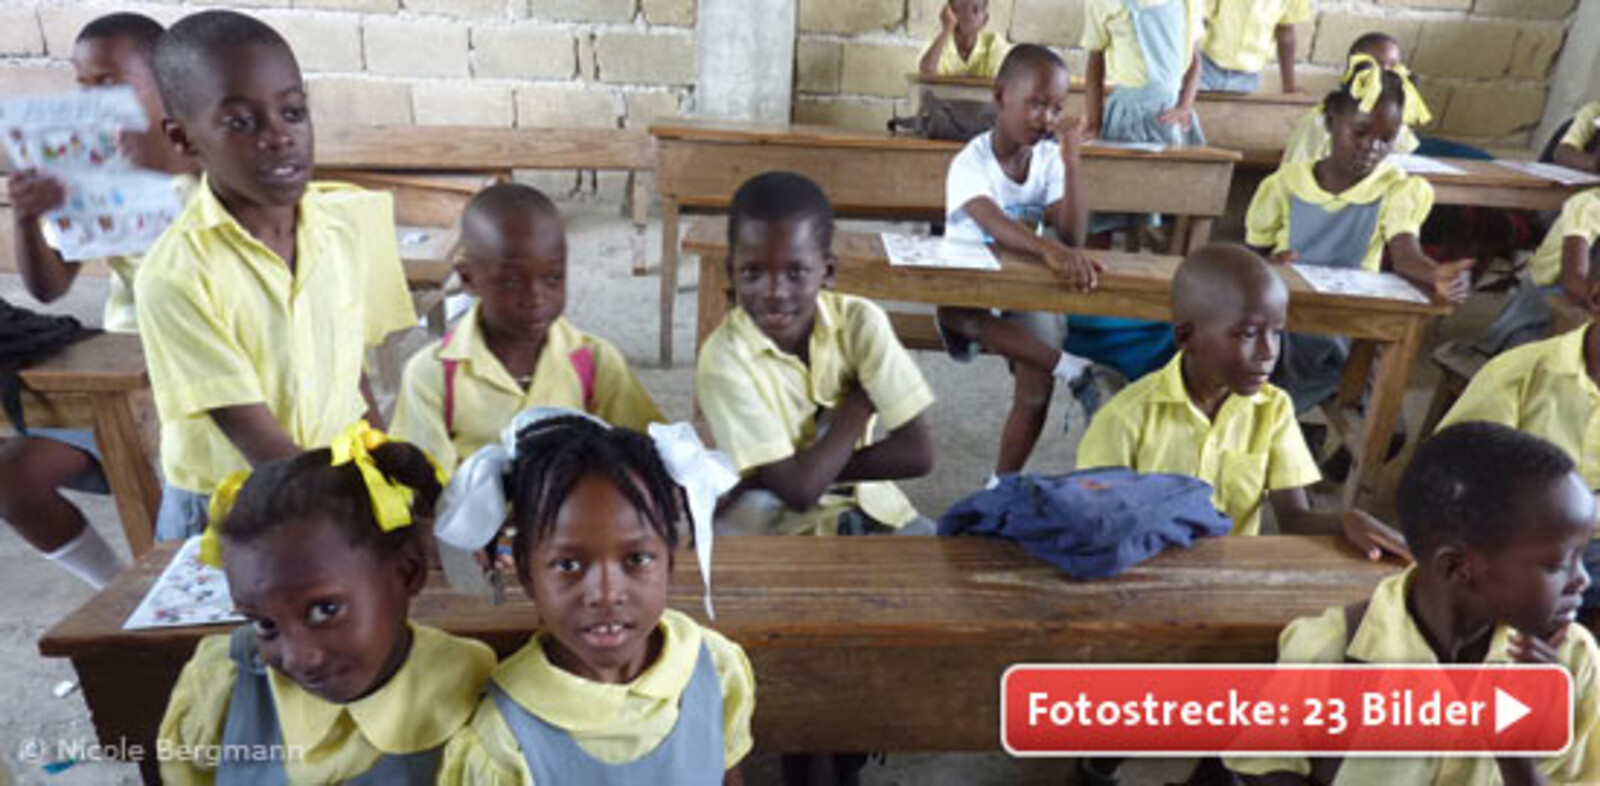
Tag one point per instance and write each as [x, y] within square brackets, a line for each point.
[32, 468]
[966, 322]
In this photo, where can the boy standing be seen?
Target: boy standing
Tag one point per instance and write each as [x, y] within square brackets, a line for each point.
[259, 302]
[115, 49]
[963, 47]
[1239, 37]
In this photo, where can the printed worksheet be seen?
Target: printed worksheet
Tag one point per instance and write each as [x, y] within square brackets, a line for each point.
[1423, 165]
[189, 592]
[928, 251]
[1555, 172]
[1360, 283]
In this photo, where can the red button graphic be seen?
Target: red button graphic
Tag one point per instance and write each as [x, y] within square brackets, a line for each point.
[1348, 709]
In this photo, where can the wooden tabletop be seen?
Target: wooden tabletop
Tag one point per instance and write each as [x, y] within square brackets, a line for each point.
[457, 148]
[983, 82]
[100, 363]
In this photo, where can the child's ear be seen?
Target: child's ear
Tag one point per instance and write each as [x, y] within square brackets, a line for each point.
[830, 269]
[411, 562]
[177, 137]
[1182, 332]
[1455, 564]
[468, 280]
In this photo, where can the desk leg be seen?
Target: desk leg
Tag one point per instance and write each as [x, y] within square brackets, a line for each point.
[1178, 244]
[1199, 233]
[1383, 407]
[669, 276]
[127, 467]
[713, 301]
[639, 208]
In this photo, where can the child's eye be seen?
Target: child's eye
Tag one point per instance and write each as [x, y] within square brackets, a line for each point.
[639, 559]
[565, 565]
[240, 124]
[796, 275]
[321, 613]
[265, 629]
[749, 275]
[295, 114]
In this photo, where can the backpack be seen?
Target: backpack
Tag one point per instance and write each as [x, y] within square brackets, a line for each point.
[26, 337]
[950, 119]
[582, 360]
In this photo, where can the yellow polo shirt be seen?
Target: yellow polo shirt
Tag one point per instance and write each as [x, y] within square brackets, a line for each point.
[1108, 28]
[1580, 217]
[762, 403]
[421, 707]
[1406, 202]
[1241, 34]
[1582, 130]
[613, 723]
[226, 323]
[1388, 634]
[1309, 141]
[487, 398]
[987, 54]
[1543, 388]
[1252, 447]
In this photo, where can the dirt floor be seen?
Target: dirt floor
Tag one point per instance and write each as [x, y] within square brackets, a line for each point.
[606, 299]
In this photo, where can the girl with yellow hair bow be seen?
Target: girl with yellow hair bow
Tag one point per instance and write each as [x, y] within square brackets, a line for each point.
[1370, 55]
[328, 681]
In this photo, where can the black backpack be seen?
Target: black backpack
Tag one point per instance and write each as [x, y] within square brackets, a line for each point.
[27, 337]
[949, 119]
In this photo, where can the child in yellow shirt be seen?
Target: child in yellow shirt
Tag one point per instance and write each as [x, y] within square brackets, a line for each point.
[1497, 520]
[615, 688]
[327, 682]
[1148, 50]
[1310, 141]
[257, 305]
[963, 47]
[114, 49]
[1239, 39]
[1563, 264]
[1577, 147]
[513, 349]
[1348, 210]
[1212, 414]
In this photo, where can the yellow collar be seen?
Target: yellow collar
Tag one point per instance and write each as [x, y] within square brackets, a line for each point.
[1171, 389]
[432, 695]
[823, 327]
[1301, 180]
[1388, 634]
[469, 347]
[205, 213]
[1566, 356]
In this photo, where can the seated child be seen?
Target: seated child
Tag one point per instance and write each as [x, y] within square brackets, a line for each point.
[513, 349]
[1346, 211]
[1310, 140]
[257, 305]
[1212, 414]
[1578, 147]
[616, 688]
[324, 552]
[111, 50]
[963, 47]
[1239, 38]
[1497, 520]
[1148, 50]
[795, 375]
[1565, 263]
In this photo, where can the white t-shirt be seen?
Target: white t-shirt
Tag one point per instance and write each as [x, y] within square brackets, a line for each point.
[975, 172]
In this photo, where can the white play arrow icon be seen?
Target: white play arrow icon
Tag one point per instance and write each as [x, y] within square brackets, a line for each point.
[1507, 710]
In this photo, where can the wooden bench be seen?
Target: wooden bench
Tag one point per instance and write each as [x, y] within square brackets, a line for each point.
[870, 175]
[1134, 285]
[863, 644]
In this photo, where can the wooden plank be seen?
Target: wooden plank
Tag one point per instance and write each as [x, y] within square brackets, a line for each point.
[101, 363]
[489, 149]
[846, 635]
[133, 481]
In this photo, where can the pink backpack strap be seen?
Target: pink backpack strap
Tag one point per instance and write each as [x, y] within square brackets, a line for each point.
[450, 367]
[583, 362]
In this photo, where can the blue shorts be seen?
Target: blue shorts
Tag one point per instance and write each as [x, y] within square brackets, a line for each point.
[1216, 79]
[93, 480]
[182, 514]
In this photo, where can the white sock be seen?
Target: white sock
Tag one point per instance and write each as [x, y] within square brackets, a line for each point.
[993, 481]
[89, 558]
[1070, 367]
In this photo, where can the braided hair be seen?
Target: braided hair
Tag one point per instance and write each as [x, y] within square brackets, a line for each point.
[1341, 101]
[555, 453]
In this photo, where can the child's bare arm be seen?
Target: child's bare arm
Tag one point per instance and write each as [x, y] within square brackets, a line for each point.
[1078, 271]
[1071, 214]
[906, 453]
[1447, 281]
[929, 64]
[1580, 278]
[374, 412]
[800, 480]
[1286, 54]
[733, 777]
[1569, 156]
[1183, 113]
[44, 273]
[1094, 93]
[1292, 507]
[255, 432]
[1525, 648]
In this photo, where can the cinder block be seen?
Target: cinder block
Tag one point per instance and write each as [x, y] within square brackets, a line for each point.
[1536, 49]
[850, 17]
[1492, 112]
[1058, 22]
[645, 107]
[321, 42]
[17, 79]
[1438, 5]
[645, 58]
[459, 103]
[1437, 97]
[472, 9]
[359, 101]
[1471, 50]
[1336, 31]
[876, 69]
[679, 13]
[922, 17]
[522, 51]
[864, 114]
[414, 47]
[1525, 9]
[583, 10]
[586, 67]
[364, 6]
[19, 32]
[561, 107]
[817, 64]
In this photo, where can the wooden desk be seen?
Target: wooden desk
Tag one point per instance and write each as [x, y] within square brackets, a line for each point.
[1256, 124]
[1487, 184]
[1134, 285]
[869, 175]
[889, 644]
[101, 383]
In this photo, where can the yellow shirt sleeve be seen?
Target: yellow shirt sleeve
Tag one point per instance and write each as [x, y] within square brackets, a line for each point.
[419, 408]
[195, 365]
[484, 753]
[619, 399]
[883, 367]
[1096, 35]
[1489, 397]
[1111, 441]
[1581, 132]
[1581, 762]
[1289, 461]
[738, 695]
[745, 429]
[1580, 217]
[1267, 222]
[997, 50]
[1406, 207]
[1296, 11]
[196, 714]
[389, 304]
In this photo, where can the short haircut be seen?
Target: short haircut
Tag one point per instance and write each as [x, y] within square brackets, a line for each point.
[143, 31]
[503, 199]
[782, 196]
[1219, 275]
[188, 48]
[1023, 57]
[1466, 484]
[1340, 101]
[1370, 41]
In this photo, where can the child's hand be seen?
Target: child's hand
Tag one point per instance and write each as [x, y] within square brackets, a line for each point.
[1286, 257]
[1071, 135]
[1075, 268]
[1452, 281]
[1583, 291]
[947, 18]
[1180, 115]
[857, 404]
[1372, 536]
[34, 193]
[1532, 649]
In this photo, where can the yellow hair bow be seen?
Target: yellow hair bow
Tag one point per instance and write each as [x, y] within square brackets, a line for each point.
[1364, 78]
[221, 503]
[391, 502]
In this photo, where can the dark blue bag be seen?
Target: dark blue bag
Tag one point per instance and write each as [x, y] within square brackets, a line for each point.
[1091, 524]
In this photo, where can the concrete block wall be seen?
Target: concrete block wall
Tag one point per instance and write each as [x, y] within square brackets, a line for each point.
[1483, 65]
